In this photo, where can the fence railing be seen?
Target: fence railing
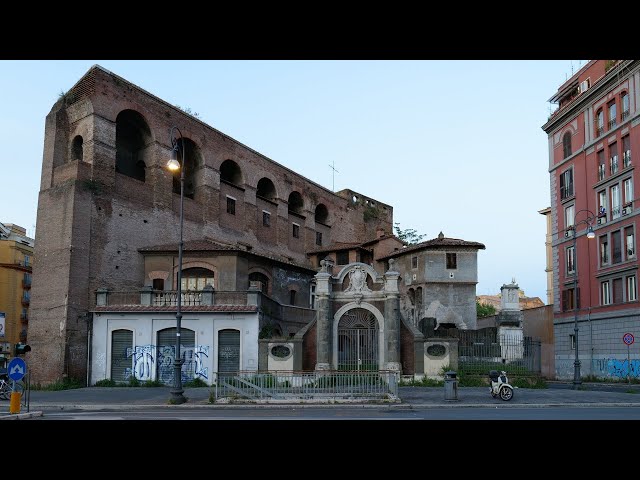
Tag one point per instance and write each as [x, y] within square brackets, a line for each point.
[291, 385]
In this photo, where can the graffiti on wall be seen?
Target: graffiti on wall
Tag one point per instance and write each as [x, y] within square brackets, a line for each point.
[614, 367]
[144, 357]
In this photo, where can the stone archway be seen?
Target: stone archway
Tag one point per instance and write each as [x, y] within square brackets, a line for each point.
[358, 338]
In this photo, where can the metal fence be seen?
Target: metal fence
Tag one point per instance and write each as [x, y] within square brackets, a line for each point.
[482, 350]
[290, 385]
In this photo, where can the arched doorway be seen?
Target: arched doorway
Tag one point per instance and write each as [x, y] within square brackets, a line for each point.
[358, 347]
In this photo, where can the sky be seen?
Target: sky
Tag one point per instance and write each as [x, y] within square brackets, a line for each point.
[454, 146]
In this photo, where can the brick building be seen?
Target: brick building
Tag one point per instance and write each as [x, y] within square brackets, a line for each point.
[592, 137]
[108, 217]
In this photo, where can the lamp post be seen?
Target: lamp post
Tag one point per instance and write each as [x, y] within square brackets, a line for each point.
[590, 217]
[177, 391]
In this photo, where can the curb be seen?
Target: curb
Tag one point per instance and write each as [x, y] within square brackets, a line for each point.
[21, 416]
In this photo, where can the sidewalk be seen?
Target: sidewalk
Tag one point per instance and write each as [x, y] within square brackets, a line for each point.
[131, 398]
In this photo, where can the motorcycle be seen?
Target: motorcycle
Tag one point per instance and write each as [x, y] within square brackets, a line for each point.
[500, 386]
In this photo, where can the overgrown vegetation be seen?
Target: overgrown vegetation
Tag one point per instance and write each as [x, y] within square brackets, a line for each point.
[189, 111]
[195, 383]
[105, 382]
[408, 235]
[485, 310]
[64, 384]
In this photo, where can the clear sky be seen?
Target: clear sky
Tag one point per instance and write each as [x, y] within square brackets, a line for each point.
[453, 146]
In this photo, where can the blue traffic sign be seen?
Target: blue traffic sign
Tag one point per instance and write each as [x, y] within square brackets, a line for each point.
[17, 369]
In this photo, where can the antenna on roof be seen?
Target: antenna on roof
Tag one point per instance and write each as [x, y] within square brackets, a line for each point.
[333, 175]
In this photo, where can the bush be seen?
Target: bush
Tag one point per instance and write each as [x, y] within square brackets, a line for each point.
[152, 383]
[195, 383]
[105, 382]
[64, 384]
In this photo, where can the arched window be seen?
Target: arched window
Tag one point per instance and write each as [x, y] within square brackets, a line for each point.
[197, 278]
[262, 280]
[76, 148]
[191, 164]
[266, 189]
[322, 214]
[132, 137]
[296, 204]
[230, 172]
[566, 144]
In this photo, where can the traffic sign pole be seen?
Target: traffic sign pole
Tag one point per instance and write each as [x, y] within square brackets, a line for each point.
[628, 339]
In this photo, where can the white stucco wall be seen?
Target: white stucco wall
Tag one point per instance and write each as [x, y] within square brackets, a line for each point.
[277, 363]
[145, 327]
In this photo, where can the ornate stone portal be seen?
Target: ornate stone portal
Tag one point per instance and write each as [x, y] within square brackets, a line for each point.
[366, 291]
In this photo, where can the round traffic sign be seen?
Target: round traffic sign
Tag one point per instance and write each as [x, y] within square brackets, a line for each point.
[628, 338]
[17, 369]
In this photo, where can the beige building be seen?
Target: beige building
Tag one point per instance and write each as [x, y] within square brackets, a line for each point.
[16, 257]
[549, 254]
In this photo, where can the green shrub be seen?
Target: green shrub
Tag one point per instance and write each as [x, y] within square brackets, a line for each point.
[134, 382]
[152, 383]
[105, 382]
[195, 383]
[64, 384]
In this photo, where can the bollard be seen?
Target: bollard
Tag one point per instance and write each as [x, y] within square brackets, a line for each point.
[450, 386]
[14, 405]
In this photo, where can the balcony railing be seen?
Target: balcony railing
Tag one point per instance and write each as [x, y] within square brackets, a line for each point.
[601, 171]
[626, 159]
[625, 115]
[599, 131]
[612, 123]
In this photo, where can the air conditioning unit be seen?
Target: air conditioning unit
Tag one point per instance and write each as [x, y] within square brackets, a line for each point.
[602, 220]
[568, 234]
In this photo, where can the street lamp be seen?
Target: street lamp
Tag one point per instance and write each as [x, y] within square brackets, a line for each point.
[590, 217]
[173, 164]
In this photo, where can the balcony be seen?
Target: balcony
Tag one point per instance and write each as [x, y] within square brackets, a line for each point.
[204, 300]
[599, 131]
[612, 123]
[625, 115]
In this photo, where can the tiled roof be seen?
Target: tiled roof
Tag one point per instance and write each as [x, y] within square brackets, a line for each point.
[436, 243]
[211, 246]
[336, 246]
[186, 308]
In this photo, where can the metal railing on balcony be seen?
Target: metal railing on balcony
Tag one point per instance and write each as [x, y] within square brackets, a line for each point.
[601, 171]
[614, 164]
[599, 131]
[297, 386]
[612, 123]
[625, 115]
[626, 159]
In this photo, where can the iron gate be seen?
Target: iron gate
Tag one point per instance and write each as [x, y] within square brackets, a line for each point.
[358, 341]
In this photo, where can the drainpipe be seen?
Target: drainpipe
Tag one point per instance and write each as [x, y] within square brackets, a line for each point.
[89, 338]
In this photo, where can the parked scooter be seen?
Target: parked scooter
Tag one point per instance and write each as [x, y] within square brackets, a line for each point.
[500, 385]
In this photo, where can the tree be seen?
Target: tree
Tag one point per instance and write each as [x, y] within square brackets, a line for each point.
[408, 235]
[485, 310]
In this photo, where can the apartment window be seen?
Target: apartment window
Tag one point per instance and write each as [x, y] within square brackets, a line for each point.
[318, 238]
[197, 278]
[570, 260]
[605, 294]
[292, 297]
[566, 184]
[628, 191]
[452, 261]
[342, 258]
[599, 123]
[613, 158]
[617, 290]
[615, 201]
[566, 144]
[27, 260]
[604, 250]
[632, 289]
[296, 230]
[612, 114]
[602, 203]
[625, 105]
[158, 284]
[629, 242]
[231, 205]
[616, 247]
[626, 151]
[414, 261]
[569, 216]
[601, 167]
[570, 299]
[266, 218]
